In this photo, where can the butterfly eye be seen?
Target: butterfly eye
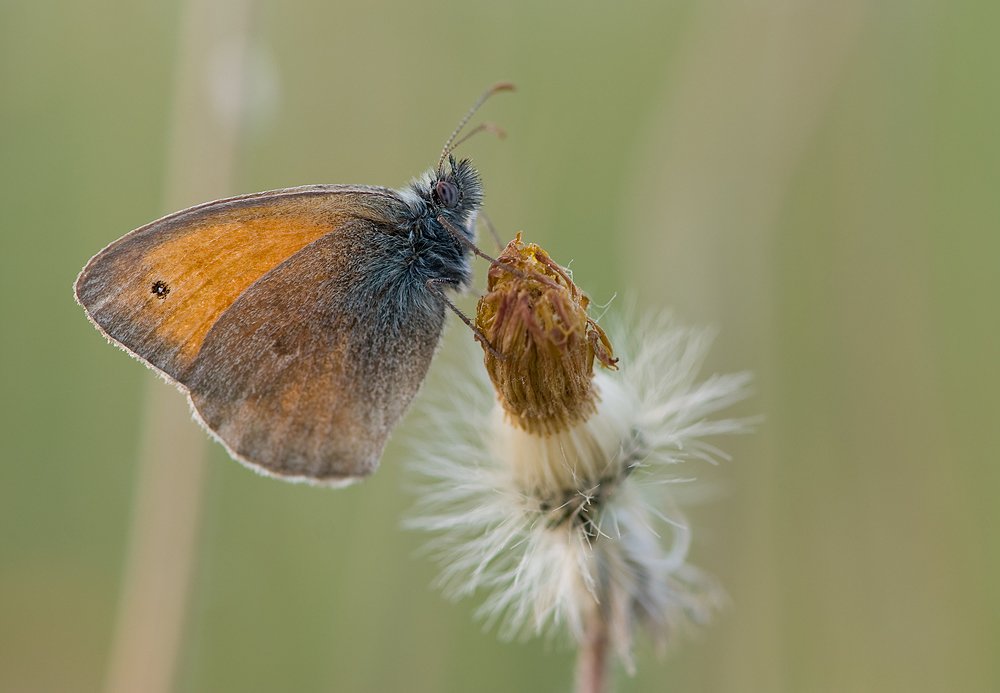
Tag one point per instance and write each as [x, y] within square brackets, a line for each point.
[445, 194]
[160, 289]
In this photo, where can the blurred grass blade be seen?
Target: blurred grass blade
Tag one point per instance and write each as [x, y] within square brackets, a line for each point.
[166, 505]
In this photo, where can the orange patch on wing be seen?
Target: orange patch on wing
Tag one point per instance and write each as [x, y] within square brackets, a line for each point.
[208, 267]
[159, 290]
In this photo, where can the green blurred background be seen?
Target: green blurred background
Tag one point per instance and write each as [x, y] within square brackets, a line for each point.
[817, 180]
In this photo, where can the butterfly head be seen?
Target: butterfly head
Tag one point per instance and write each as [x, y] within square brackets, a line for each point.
[443, 204]
[454, 191]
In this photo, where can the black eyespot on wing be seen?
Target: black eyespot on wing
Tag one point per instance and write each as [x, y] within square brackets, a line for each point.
[160, 289]
[445, 194]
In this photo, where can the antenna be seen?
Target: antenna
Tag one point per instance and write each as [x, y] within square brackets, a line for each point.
[450, 144]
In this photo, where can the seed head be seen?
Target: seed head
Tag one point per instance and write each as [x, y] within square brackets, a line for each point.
[536, 317]
[549, 485]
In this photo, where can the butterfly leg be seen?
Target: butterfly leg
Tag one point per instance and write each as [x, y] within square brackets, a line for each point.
[476, 251]
[435, 286]
[492, 229]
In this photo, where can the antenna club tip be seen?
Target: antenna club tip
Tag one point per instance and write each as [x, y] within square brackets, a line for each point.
[503, 86]
[492, 127]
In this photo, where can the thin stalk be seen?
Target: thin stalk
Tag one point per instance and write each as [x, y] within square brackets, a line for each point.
[160, 557]
[592, 671]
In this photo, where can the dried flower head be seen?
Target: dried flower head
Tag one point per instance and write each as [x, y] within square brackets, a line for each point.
[552, 493]
[536, 317]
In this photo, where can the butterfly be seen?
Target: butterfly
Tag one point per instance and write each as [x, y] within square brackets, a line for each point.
[300, 322]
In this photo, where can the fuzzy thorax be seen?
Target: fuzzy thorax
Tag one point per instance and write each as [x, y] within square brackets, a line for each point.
[536, 318]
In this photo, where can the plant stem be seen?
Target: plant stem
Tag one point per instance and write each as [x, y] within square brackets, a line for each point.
[592, 661]
[148, 635]
[148, 639]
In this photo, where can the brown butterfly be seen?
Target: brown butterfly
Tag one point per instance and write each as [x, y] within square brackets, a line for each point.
[300, 322]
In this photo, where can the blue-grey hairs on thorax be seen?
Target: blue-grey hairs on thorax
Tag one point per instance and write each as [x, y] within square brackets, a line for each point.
[455, 194]
[403, 281]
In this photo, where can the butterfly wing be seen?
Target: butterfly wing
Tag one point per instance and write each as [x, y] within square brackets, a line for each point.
[309, 370]
[158, 290]
[289, 317]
